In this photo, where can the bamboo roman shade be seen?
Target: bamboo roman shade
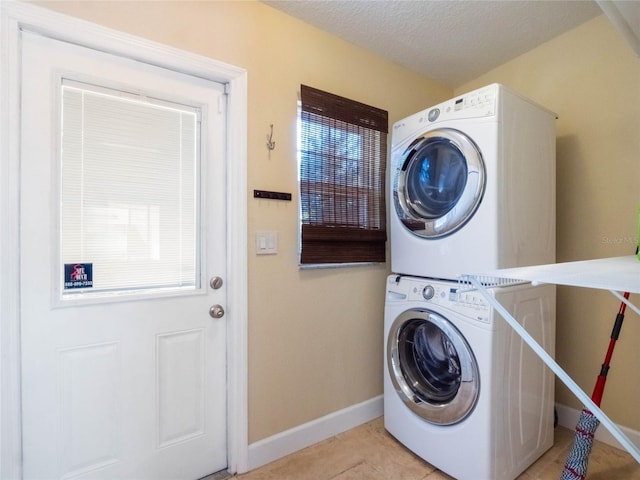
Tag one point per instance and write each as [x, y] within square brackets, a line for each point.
[343, 149]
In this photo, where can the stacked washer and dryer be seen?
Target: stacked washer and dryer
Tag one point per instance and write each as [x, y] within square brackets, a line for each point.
[472, 189]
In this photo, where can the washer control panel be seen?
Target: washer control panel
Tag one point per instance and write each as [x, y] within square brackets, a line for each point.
[428, 292]
[447, 295]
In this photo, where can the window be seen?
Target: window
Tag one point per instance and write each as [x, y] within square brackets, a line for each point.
[129, 181]
[342, 157]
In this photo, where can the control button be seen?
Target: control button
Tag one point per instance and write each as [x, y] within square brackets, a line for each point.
[434, 113]
[428, 292]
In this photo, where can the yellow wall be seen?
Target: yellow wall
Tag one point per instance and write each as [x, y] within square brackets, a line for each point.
[591, 78]
[315, 336]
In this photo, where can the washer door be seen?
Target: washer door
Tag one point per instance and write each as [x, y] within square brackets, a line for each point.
[439, 183]
[432, 367]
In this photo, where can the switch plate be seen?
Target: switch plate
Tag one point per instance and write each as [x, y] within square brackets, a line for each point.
[266, 243]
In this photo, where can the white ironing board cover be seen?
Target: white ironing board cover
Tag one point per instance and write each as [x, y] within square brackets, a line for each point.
[615, 273]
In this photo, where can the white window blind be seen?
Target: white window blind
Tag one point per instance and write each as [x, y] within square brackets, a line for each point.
[129, 189]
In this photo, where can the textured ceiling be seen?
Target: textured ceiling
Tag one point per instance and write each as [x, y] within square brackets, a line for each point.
[450, 41]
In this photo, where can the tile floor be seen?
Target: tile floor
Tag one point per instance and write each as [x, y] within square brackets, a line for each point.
[368, 452]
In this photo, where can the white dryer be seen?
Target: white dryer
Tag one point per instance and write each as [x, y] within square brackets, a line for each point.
[472, 186]
[461, 389]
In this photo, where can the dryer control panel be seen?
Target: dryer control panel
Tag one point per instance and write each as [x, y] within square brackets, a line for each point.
[481, 103]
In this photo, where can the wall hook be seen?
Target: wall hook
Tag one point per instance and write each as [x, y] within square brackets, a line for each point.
[270, 143]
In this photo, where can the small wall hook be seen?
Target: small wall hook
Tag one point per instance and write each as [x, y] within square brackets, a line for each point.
[270, 143]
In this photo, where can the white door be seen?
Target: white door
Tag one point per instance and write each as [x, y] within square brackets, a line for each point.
[124, 376]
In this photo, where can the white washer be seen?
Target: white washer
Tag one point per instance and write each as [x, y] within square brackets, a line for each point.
[461, 389]
[472, 186]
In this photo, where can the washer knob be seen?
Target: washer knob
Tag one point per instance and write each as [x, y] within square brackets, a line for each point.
[428, 292]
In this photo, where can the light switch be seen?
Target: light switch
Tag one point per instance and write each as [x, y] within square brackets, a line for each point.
[266, 243]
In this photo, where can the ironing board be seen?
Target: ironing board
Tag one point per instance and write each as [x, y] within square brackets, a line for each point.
[616, 274]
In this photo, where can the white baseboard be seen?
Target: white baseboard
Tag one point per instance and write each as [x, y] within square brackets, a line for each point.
[568, 418]
[277, 446]
[284, 443]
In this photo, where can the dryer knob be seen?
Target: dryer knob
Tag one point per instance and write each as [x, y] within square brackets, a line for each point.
[428, 292]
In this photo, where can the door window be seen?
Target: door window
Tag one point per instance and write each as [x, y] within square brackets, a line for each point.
[436, 178]
[439, 183]
[432, 367]
[129, 192]
[429, 362]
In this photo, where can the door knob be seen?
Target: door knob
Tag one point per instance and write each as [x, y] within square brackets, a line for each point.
[216, 311]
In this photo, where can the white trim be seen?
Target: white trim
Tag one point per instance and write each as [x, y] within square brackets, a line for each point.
[15, 16]
[237, 273]
[568, 418]
[302, 436]
[10, 406]
[282, 444]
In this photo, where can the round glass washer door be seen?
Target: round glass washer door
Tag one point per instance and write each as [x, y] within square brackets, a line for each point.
[432, 367]
[439, 183]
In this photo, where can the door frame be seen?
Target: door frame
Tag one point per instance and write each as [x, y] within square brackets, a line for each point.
[17, 16]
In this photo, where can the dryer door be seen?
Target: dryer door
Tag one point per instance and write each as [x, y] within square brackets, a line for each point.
[439, 183]
[432, 367]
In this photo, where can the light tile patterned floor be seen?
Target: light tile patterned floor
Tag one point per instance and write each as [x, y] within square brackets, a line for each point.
[368, 452]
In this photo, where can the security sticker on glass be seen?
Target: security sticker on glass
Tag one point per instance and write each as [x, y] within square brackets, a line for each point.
[78, 275]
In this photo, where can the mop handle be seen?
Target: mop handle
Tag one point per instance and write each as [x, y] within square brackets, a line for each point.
[598, 390]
